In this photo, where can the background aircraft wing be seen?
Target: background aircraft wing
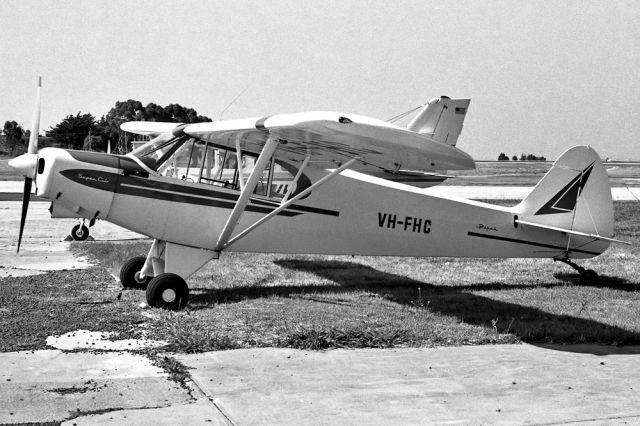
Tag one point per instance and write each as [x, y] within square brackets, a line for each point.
[334, 137]
[148, 128]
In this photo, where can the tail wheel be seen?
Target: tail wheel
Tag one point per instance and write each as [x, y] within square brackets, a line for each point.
[130, 274]
[80, 232]
[168, 291]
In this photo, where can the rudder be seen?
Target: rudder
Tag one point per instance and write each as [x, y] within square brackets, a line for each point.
[574, 194]
[441, 119]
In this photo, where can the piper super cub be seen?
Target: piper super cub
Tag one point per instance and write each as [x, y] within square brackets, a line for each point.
[200, 189]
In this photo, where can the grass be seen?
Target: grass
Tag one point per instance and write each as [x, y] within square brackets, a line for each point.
[322, 302]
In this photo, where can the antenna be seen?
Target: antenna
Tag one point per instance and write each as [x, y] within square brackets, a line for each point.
[232, 102]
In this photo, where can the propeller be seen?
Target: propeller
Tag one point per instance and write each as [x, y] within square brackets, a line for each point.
[27, 163]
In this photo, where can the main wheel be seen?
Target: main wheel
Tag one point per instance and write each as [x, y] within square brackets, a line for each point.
[130, 274]
[167, 291]
[79, 232]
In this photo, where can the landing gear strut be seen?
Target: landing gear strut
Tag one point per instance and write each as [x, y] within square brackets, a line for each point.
[586, 275]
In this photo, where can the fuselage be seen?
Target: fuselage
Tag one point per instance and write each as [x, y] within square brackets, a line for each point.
[351, 214]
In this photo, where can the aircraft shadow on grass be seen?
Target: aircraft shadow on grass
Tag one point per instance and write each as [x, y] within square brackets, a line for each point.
[529, 324]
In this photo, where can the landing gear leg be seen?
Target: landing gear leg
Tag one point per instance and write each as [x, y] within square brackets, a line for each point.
[586, 275]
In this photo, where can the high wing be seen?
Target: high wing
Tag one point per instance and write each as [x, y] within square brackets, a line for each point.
[148, 128]
[336, 138]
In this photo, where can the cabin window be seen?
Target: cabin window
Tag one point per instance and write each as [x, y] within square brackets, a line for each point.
[200, 162]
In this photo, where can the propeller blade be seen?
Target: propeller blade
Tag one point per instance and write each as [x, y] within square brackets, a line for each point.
[26, 195]
[27, 162]
[35, 123]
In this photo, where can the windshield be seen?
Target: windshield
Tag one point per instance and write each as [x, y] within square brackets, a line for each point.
[158, 150]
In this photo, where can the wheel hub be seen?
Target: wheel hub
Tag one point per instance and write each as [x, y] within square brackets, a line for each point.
[169, 295]
[137, 277]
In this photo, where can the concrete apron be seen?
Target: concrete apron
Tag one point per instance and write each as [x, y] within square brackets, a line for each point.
[503, 384]
[43, 248]
[47, 386]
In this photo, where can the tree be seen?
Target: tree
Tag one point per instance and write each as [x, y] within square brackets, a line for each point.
[14, 132]
[72, 131]
[93, 143]
[514, 158]
[155, 112]
[132, 110]
[180, 114]
[503, 157]
[530, 157]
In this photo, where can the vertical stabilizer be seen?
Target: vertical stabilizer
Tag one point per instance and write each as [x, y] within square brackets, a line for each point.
[575, 195]
[441, 119]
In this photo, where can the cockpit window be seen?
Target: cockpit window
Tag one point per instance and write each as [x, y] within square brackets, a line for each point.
[157, 151]
[197, 161]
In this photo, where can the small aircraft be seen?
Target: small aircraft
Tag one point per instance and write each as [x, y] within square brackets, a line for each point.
[201, 189]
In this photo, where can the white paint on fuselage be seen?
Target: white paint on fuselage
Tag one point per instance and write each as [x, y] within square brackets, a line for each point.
[373, 219]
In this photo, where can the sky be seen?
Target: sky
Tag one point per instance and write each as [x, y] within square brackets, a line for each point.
[542, 76]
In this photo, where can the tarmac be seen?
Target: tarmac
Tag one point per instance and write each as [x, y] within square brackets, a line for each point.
[494, 384]
[497, 384]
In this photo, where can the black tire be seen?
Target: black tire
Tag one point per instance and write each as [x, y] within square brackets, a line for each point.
[590, 276]
[79, 232]
[168, 291]
[129, 274]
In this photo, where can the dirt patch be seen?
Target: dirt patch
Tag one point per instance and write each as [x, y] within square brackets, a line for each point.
[56, 303]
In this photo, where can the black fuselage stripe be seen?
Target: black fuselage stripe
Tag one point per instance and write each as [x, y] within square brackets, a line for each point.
[145, 188]
[144, 183]
[179, 198]
[531, 243]
[179, 190]
[305, 209]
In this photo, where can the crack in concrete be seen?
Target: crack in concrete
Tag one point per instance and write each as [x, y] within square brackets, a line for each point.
[214, 401]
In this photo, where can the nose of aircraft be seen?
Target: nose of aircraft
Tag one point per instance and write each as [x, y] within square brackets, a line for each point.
[26, 164]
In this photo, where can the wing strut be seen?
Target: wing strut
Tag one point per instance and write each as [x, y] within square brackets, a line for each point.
[283, 206]
[294, 182]
[245, 194]
[239, 158]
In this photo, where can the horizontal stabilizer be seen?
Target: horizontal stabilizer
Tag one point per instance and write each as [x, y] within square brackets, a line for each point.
[571, 232]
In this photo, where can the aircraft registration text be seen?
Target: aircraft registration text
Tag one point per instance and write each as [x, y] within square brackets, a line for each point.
[406, 223]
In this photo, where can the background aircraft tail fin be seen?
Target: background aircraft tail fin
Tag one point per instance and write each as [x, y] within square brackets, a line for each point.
[574, 195]
[441, 119]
